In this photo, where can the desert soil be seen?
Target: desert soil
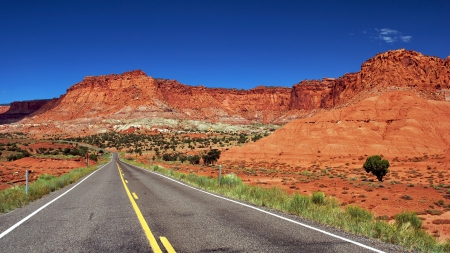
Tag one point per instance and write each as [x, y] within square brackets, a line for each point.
[13, 172]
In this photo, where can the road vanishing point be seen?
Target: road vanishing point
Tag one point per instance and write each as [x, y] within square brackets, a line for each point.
[124, 208]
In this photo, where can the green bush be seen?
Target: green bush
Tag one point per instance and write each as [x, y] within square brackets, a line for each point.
[408, 217]
[46, 177]
[231, 180]
[298, 203]
[194, 159]
[212, 156]
[93, 157]
[318, 198]
[358, 213]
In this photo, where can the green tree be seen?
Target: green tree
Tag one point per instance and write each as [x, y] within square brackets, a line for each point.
[379, 167]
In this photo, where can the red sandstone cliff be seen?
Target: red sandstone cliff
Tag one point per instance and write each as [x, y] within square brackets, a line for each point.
[26, 107]
[135, 95]
[4, 108]
[397, 123]
[430, 76]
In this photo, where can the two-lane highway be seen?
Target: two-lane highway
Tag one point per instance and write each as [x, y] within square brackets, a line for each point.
[95, 216]
[122, 208]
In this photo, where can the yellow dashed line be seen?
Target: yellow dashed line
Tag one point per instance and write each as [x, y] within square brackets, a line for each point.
[126, 181]
[135, 196]
[167, 244]
[148, 233]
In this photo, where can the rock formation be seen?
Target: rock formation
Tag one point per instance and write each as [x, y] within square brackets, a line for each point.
[134, 95]
[26, 107]
[19, 110]
[392, 70]
[397, 123]
[4, 108]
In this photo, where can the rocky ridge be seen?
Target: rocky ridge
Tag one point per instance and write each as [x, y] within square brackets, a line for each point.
[397, 123]
[4, 108]
[101, 103]
[136, 95]
[392, 70]
[25, 107]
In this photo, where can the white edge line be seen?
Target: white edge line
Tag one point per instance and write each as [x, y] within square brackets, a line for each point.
[44, 206]
[264, 211]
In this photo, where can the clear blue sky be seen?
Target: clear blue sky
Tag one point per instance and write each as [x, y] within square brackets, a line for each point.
[47, 46]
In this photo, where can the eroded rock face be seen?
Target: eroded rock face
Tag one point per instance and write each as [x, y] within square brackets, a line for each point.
[397, 123]
[19, 110]
[261, 104]
[134, 95]
[397, 69]
[25, 107]
[4, 108]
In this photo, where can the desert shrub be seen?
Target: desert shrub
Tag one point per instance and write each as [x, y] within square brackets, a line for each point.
[192, 177]
[318, 198]
[212, 156]
[384, 231]
[358, 213]
[203, 181]
[46, 177]
[298, 203]
[406, 197]
[408, 217]
[93, 157]
[194, 159]
[230, 180]
[434, 211]
[66, 151]
[446, 246]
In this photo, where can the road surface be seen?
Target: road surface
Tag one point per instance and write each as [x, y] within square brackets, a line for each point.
[122, 208]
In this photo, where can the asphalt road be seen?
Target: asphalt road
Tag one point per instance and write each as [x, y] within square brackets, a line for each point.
[122, 208]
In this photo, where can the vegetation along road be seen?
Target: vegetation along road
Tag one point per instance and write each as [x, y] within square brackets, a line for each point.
[122, 208]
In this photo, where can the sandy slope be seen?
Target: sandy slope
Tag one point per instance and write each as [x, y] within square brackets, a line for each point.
[393, 124]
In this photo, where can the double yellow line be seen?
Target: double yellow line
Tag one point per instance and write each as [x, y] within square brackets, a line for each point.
[148, 232]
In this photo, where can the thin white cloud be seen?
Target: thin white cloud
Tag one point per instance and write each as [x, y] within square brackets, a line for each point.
[388, 39]
[390, 35]
[406, 38]
[387, 31]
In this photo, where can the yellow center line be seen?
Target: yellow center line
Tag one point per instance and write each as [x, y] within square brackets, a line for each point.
[135, 196]
[126, 181]
[167, 244]
[148, 233]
